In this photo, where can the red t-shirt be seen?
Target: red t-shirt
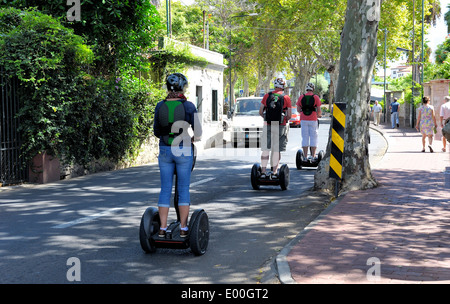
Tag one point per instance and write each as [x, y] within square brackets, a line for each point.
[317, 104]
[287, 102]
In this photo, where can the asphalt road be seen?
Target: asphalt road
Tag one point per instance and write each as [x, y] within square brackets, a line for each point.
[95, 221]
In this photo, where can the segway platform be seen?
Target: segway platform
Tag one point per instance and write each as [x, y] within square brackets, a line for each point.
[198, 228]
[280, 179]
[308, 162]
[197, 238]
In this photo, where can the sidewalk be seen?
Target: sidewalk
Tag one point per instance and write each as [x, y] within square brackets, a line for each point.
[398, 232]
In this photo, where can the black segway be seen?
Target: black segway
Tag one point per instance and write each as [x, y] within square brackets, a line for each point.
[281, 178]
[198, 228]
[302, 161]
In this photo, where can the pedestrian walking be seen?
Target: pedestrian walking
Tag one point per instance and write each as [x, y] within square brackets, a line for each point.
[444, 115]
[426, 122]
[394, 107]
[173, 116]
[308, 105]
[376, 109]
[276, 110]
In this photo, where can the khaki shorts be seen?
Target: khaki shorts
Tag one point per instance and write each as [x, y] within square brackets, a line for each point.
[266, 138]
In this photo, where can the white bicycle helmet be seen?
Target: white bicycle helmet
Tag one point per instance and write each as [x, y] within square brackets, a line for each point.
[310, 86]
[279, 83]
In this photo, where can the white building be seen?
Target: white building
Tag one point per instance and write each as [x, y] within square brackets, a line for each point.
[205, 90]
[400, 71]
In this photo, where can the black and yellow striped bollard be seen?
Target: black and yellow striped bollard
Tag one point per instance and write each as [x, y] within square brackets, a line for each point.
[337, 145]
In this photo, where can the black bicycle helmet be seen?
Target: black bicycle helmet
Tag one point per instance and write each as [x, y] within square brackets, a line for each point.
[176, 82]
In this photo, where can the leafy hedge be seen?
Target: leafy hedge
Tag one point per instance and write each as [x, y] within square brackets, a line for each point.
[115, 29]
[64, 109]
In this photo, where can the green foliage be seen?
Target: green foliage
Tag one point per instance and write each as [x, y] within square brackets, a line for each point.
[447, 18]
[442, 51]
[65, 110]
[110, 120]
[404, 84]
[115, 29]
[173, 57]
[48, 59]
[437, 70]
[321, 84]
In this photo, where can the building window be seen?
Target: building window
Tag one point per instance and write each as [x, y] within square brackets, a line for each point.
[214, 106]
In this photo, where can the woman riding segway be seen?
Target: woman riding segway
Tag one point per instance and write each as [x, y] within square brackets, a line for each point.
[173, 117]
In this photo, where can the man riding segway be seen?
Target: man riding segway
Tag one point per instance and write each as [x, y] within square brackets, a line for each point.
[276, 110]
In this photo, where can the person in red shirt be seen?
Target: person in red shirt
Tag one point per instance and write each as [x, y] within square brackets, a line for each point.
[270, 134]
[308, 105]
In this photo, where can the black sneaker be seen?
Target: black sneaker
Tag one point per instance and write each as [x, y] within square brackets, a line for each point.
[162, 233]
[184, 233]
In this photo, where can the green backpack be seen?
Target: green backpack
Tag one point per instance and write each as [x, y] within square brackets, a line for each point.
[169, 113]
[308, 104]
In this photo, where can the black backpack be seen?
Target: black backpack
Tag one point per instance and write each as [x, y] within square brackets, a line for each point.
[274, 107]
[170, 112]
[308, 104]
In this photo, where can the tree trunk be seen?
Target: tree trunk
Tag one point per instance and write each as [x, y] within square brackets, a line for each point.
[358, 54]
[333, 79]
[303, 67]
[246, 86]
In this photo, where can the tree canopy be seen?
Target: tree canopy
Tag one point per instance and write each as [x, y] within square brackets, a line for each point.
[294, 38]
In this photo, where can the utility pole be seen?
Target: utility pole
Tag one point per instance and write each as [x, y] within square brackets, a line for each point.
[384, 85]
[422, 59]
[413, 61]
[204, 29]
[169, 18]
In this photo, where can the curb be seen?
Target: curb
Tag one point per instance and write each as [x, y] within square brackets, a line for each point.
[281, 263]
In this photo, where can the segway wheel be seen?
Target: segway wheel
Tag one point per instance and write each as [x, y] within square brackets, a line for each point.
[199, 233]
[150, 224]
[284, 177]
[256, 169]
[299, 158]
[320, 156]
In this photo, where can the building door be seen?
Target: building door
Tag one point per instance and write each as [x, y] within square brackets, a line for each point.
[214, 107]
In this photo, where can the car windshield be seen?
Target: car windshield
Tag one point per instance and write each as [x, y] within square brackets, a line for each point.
[248, 106]
[294, 110]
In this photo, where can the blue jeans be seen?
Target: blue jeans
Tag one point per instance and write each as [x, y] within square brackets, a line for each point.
[168, 162]
[394, 119]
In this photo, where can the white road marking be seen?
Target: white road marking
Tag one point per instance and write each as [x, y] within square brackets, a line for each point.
[203, 181]
[113, 210]
[88, 218]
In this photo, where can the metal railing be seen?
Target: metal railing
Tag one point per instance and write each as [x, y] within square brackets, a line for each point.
[13, 169]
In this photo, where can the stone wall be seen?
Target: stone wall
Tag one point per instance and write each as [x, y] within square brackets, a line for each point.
[147, 154]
